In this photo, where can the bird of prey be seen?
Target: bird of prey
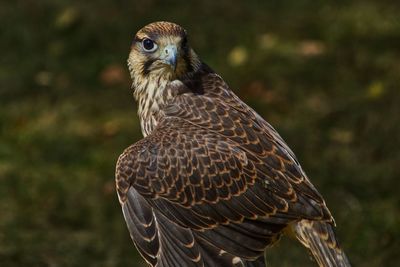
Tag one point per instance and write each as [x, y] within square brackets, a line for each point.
[211, 183]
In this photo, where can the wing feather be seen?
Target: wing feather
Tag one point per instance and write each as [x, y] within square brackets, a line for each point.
[211, 183]
[141, 225]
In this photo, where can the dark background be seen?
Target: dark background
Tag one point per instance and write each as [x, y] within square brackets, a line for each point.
[324, 73]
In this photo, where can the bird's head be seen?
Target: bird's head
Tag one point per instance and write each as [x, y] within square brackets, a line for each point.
[160, 50]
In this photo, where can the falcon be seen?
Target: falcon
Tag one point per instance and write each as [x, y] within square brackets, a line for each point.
[211, 183]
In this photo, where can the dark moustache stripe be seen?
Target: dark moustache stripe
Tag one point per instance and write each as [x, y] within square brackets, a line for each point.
[146, 66]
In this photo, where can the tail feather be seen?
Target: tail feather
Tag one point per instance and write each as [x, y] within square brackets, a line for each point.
[320, 239]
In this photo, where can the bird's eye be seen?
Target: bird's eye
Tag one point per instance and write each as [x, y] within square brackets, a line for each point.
[149, 45]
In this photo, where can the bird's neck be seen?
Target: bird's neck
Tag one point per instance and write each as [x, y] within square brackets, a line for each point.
[150, 97]
[154, 91]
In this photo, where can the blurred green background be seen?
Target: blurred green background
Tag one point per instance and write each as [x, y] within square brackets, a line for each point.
[324, 73]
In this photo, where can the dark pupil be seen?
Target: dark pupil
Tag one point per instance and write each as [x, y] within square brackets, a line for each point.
[148, 44]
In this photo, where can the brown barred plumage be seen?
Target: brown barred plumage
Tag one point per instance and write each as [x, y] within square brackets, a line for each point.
[212, 183]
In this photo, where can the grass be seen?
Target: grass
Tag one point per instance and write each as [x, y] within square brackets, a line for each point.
[324, 74]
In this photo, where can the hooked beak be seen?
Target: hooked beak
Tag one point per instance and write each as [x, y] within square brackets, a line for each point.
[170, 56]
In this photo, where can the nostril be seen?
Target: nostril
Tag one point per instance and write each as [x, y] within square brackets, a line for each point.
[166, 51]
